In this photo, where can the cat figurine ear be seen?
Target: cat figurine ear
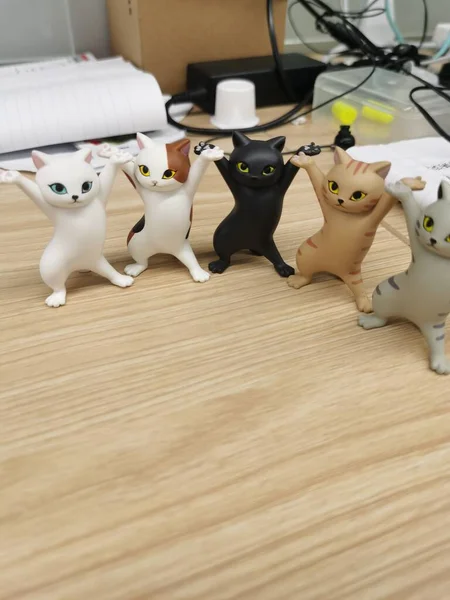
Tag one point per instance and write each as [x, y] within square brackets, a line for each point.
[40, 159]
[381, 168]
[144, 141]
[239, 139]
[277, 142]
[85, 154]
[444, 190]
[341, 157]
[182, 146]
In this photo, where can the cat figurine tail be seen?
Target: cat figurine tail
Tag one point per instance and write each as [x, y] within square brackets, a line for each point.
[258, 180]
[71, 194]
[421, 293]
[164, 178]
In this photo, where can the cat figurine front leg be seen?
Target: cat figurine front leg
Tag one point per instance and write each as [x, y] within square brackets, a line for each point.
[166, 182]
[421, 294]
[353, 203]
[73, 197]
[258, 180]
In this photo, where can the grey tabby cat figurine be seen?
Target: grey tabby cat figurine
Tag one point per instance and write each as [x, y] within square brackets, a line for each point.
[420, 294]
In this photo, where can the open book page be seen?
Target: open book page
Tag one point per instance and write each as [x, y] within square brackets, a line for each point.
[79, 101]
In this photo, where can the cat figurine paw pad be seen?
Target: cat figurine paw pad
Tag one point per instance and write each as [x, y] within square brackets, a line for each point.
[212, 154]
[218, 266]
[9, 176]
[311, 149]
[56, 299]
[284, 270]
[440, 364]
[134, 270]
[363, 304]
[120, 158]
[200, 276]
[122, 281]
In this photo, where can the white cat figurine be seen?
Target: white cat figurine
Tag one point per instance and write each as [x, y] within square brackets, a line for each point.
[167, 183]
[420, 294]
[73, 196]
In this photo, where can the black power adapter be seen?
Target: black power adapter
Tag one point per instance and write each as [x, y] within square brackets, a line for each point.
[301, 73]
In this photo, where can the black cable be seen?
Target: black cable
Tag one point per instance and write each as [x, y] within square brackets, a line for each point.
[340, 28]
[189, 97]
[365, 13]
[288, 117]
[281, 73]
[426, 115]
[425, 24]
[295, 30]
[440, 91]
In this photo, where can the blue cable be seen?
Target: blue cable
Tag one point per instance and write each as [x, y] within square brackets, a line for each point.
[392, 23]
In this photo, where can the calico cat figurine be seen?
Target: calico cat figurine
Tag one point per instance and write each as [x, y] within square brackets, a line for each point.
[420, 294]
[258, 179]
[166, 182]
[71, 194]
[353, 203]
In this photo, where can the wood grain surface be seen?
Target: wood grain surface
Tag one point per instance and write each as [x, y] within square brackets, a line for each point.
[234, 440]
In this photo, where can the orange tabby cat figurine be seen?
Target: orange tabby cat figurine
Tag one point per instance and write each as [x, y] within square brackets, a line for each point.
[353, 203]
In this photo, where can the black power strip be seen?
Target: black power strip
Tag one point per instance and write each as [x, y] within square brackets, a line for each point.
[300, 71]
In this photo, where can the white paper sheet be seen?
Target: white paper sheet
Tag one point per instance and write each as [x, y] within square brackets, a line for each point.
[428, 158]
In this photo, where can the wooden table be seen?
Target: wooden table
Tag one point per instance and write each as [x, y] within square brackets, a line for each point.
[237, 440]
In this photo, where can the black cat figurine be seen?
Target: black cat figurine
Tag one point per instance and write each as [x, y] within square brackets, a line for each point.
[258, 179]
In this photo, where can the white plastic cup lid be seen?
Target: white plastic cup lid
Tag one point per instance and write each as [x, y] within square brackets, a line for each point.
[235, 105]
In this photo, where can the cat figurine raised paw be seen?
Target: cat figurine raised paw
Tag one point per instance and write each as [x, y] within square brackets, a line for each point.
[258, 179]
[166, 182]
[71, 194]
[421, 294]
[353, 202]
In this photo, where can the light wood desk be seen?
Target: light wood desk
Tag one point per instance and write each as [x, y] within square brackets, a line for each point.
[237, 440]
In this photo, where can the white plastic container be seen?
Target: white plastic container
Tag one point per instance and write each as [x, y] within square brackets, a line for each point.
[380, 111]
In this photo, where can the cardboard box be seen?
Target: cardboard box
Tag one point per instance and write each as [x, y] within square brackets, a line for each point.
[164, 36]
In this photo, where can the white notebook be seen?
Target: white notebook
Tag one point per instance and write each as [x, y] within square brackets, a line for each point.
[60, 102]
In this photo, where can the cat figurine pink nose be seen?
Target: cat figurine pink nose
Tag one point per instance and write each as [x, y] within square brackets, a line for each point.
[353, 202]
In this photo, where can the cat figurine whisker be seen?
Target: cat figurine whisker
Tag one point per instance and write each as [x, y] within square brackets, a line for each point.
[71, 194]
[353, 202]
[421, 294]
[258, 180]
[163, 177]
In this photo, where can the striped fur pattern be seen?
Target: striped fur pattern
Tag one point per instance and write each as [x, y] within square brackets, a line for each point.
[353, 203]
[420, 294]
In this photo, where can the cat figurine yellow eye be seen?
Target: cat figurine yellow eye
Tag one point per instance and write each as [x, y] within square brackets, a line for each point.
[353, 201]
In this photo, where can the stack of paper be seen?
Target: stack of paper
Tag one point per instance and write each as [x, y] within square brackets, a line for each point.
[52, 105]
